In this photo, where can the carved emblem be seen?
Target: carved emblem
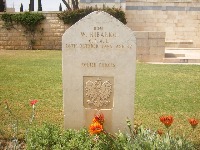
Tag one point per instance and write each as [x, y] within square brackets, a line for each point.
[98, 92]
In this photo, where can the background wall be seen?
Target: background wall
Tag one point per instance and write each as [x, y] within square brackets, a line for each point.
[50, 39]
[157, 25]
[180, 20]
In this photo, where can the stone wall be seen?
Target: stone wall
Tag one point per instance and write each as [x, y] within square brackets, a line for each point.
[180, 20]
[150, 45]
[16, 39]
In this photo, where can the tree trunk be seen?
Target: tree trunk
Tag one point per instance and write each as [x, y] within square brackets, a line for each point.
[75, 4]
[2, 7]
[67, 5]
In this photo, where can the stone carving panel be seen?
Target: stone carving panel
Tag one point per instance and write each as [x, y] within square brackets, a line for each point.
[98, 92]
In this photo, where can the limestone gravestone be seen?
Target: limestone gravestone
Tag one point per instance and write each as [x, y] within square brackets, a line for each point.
[99, 59]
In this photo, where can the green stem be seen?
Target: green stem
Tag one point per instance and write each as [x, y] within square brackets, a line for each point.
[33, 114]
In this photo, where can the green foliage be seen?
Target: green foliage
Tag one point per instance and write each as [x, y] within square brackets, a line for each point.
[42, 138]
[147, 139]
[117, 13]
[71, 17]
[29, 21]
[53, 138]
[8, 22]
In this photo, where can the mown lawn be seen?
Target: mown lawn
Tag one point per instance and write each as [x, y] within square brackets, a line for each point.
[160, 90]
[168, 90]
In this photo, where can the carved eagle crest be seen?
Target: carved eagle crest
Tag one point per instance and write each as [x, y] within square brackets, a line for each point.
[98, 92]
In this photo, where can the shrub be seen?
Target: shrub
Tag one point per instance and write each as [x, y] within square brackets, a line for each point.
[28, 20]
[45, 137]
[71, 17]
[8, 22]
[53, 138]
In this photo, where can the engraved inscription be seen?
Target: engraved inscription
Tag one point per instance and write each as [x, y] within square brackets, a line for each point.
[88, 65]
[98, 37]
[100, 65]
[98, 92]
[106, 65]
[98, 28]
[102, 34]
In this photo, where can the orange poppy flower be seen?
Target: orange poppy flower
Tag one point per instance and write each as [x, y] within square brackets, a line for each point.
[95, 128]
[99, 118]
[193, 122]
[167, 120]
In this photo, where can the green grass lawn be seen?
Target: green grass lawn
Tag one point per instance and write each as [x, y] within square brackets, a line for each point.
[160, 90]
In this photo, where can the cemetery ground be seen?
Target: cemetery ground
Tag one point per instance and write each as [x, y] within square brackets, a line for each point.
[160, 90]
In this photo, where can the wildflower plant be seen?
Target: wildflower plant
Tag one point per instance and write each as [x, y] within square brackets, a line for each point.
[52, 137]
[33, 103]
[167, 120]
[160, 132]
[181, 140]
[193, 122]
[97, 124]
[15, 124]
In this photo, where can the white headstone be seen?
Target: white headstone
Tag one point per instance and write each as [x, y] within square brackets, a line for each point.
[99, 60]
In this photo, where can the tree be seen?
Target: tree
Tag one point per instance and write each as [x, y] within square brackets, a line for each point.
[73, 2]
[60, 7]
[21, 8]
[2, 5]
[39, 5]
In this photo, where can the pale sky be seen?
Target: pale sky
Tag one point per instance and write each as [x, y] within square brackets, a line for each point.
[47, 5]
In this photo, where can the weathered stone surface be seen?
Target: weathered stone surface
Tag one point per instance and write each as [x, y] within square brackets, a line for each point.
[99, 58]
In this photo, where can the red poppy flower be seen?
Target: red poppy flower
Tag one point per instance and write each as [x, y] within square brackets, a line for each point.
[33, 102]
[95, 128]
[193, 122]
[167, 120]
